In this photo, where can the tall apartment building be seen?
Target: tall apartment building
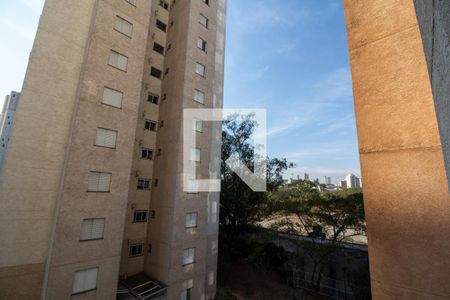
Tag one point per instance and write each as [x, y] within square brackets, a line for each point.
[7, 122]
[91, 191]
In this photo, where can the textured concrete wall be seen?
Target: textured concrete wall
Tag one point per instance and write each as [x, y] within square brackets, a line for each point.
[33, 168]
[405, 187]
[68, 253]
[434, 22]
[169, 200]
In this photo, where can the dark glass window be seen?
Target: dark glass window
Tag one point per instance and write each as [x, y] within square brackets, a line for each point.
[161, 25]
[153, 98]
[144, 184]
[158, 48]
[140, 216]
[147, 154]
[156, 72]
[150, 125]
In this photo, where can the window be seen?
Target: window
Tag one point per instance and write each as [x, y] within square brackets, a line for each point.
[156, 72]
[191, 220]
[112, 97]
[153, 98]
[186, 294]
[203, 20]
[200, 69]
[206, 2]
[140, 216]
[150, 125]
[197, 125]
[199, 96]
[188, 256]
[156, 181]
[158, 48]
[92, 229]
[85, 280]
[153, 214]
[118, 60]
[144, 184]
[164, 4]
[201, 44]
[123, 26]
[106, 138]
[99, 182]
[161, 25]
[136, 250]
[195, 154]
[147, 154]
[132, 2]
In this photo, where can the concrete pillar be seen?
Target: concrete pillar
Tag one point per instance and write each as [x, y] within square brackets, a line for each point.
[406, 194]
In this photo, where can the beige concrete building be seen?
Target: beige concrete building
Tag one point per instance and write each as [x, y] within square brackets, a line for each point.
[399, 52]
[91, 194]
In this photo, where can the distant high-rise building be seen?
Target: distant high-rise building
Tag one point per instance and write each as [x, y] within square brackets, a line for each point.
[352, 181]
[7, 122]
[306, 176]
[342, 184]
[91, 190]
[327, 180]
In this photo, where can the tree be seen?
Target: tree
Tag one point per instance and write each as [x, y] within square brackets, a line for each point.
[327, 219]
[239, 205]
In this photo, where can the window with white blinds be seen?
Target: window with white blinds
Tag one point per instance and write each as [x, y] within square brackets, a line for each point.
[112, 97]
[85, 280]
[92, 229]
[191, 220]
[195, 154]
[200, 69]
[197, 125]
[118, 60]
[203, 20]
[123, 26]
[199, 96]
[106, 138]
[99, 182]
[188, 256]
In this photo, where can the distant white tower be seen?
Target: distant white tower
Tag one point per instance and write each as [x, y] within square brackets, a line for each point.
[352, 181]
[306, 176]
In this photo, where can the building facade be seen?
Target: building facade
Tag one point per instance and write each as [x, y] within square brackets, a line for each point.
[7, 122]
[91, 189]
[399, 54]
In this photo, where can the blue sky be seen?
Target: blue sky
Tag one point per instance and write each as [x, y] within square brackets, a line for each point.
[289, 57]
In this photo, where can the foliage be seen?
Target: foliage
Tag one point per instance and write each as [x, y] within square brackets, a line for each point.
[241, 206]
[328, 219]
